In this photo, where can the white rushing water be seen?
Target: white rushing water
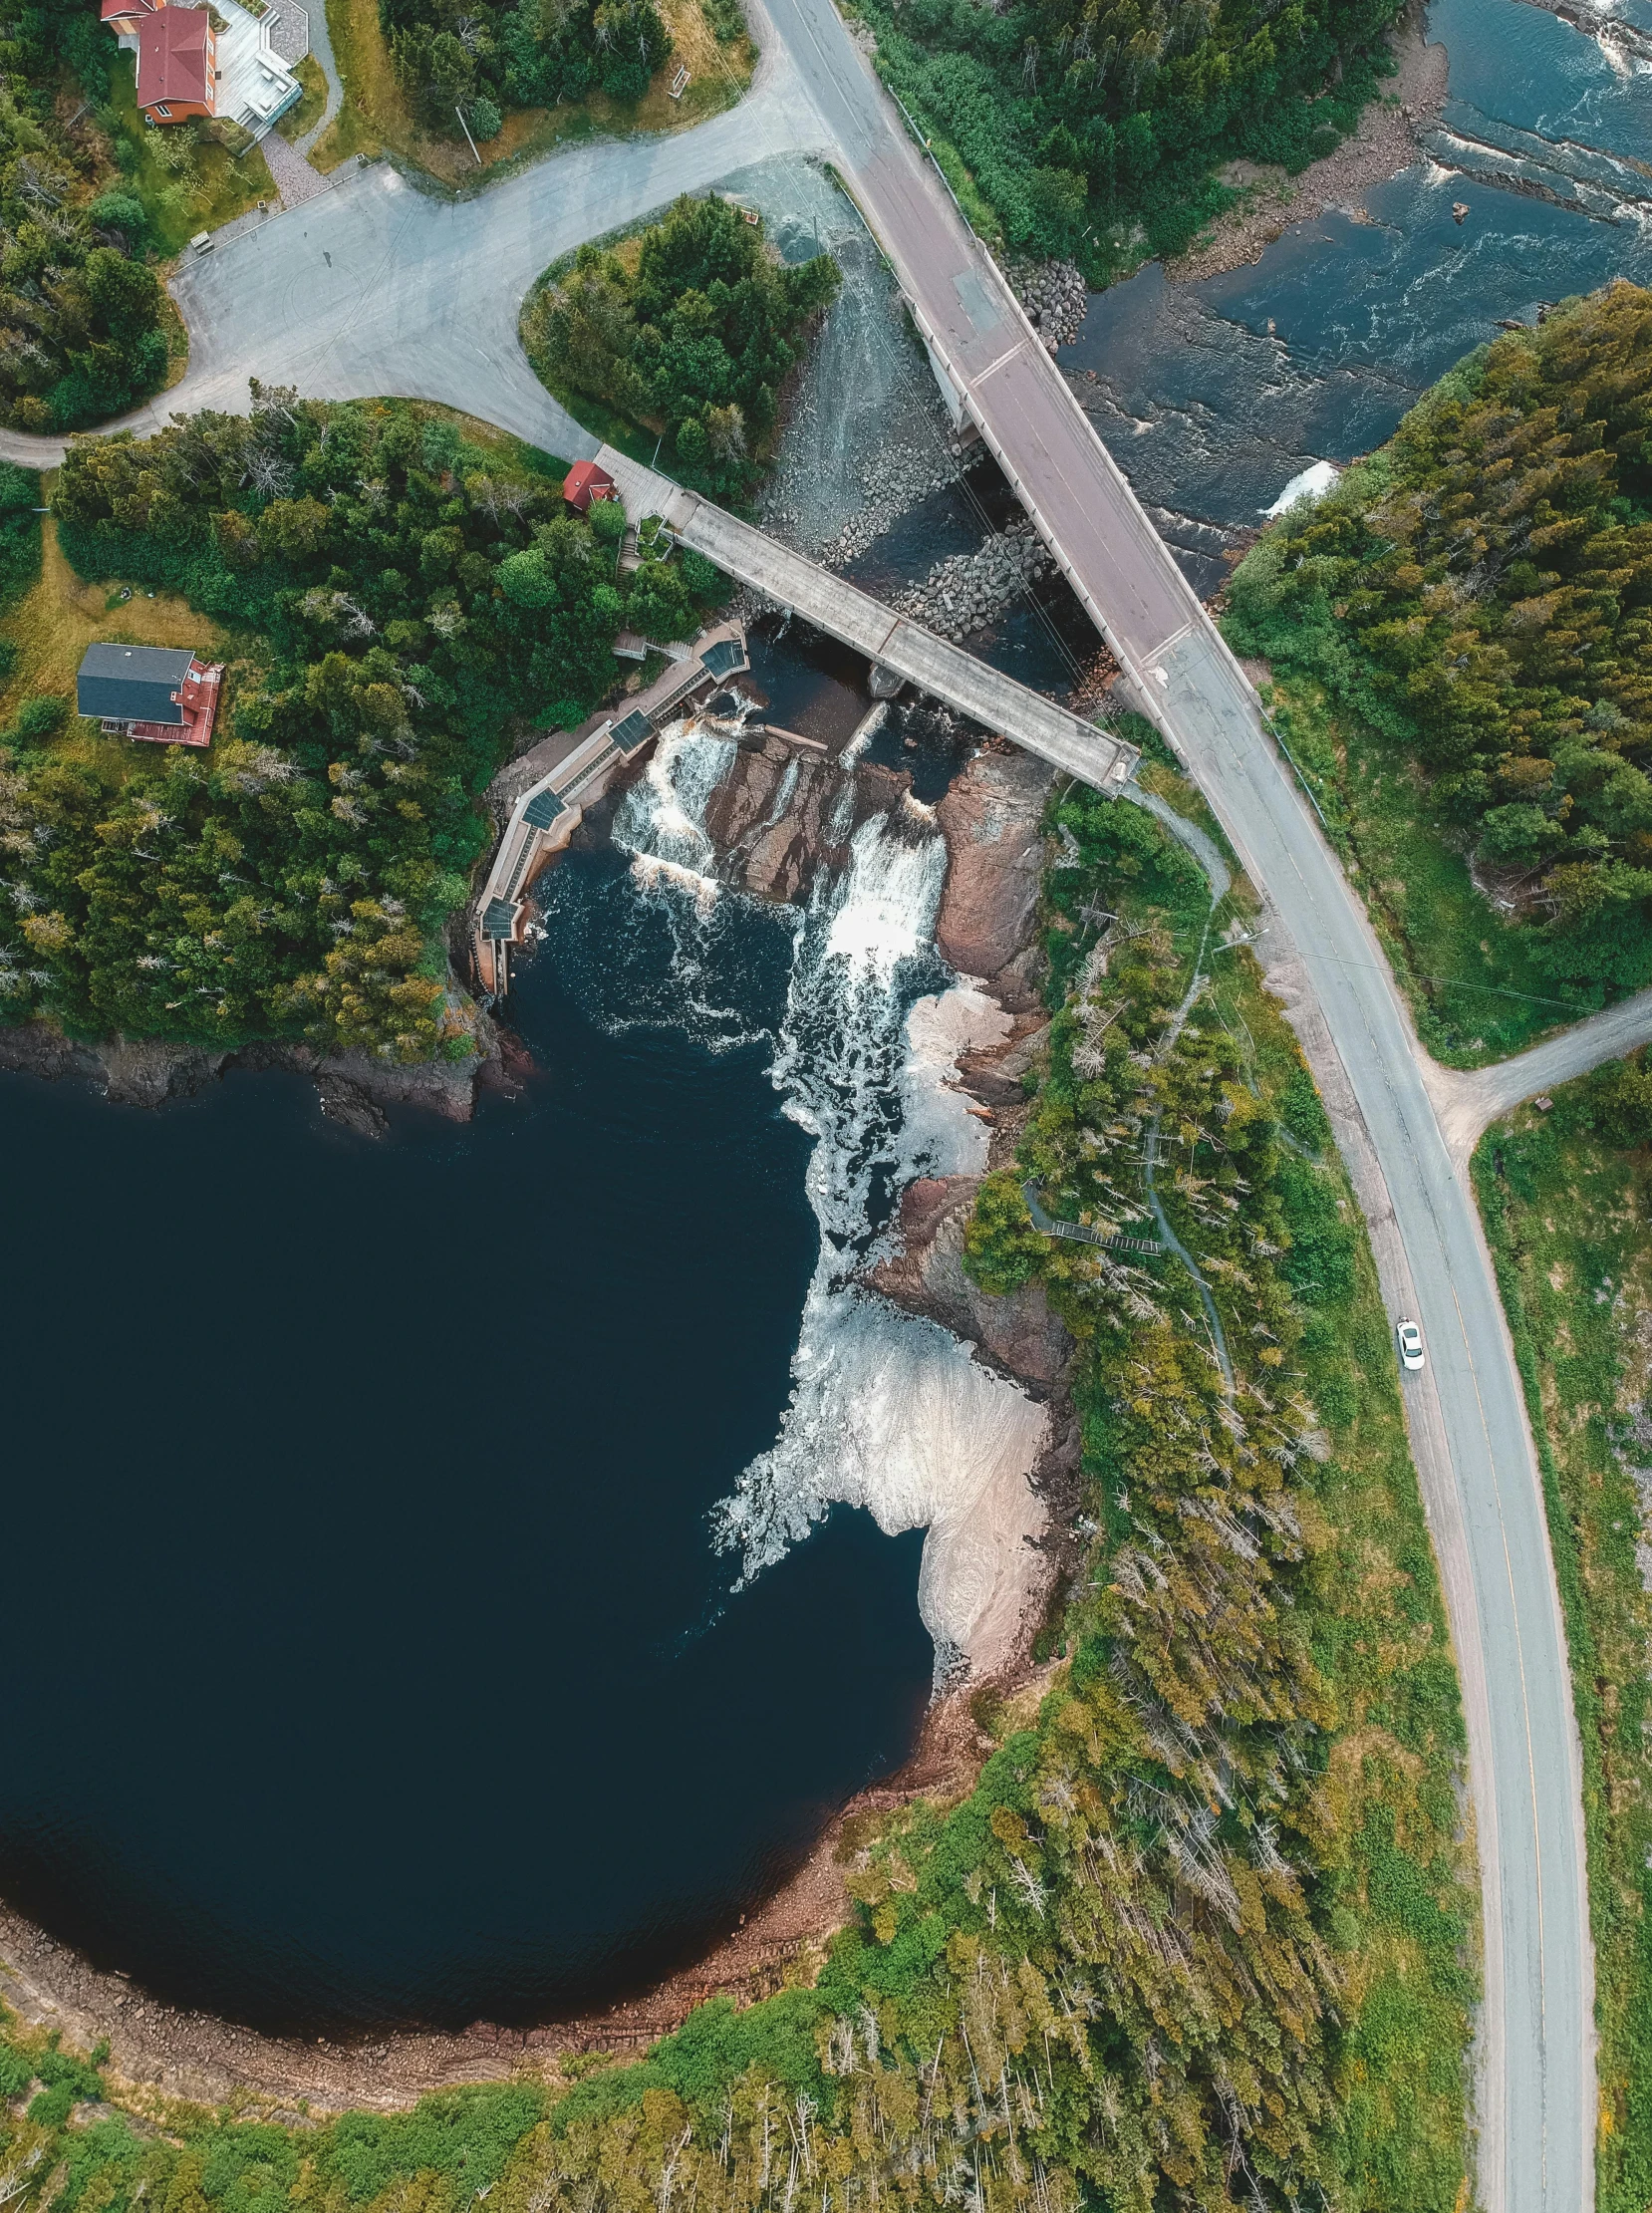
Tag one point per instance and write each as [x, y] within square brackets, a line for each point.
[888, 1411]
[662, 821]
[1314, 482]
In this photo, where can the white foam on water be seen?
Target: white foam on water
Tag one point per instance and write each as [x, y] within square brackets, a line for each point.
[941, 1135]
[1312, 483]
[661, 819]
[888, 1411]
[661, 823]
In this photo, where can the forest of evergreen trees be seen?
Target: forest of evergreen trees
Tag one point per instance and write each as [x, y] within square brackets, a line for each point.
[1481, 592]
[691, 331]
[400, 604]
[80, 308]
[1093, 128]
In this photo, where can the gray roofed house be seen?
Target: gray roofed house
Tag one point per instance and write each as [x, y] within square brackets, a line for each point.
[132, 683]
[723, 658]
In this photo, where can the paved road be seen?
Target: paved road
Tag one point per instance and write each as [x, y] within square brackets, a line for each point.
[1470, 1436]
[1466, 1102]
[320, 45]
[378, 289]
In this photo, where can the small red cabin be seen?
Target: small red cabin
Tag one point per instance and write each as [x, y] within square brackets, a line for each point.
[584, 482]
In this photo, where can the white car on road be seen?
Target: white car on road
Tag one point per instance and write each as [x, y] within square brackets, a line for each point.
[1411, 1343]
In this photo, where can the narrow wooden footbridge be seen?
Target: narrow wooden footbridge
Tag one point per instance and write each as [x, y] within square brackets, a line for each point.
[935, 665]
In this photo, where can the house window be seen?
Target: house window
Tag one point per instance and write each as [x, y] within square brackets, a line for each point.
[162, 110]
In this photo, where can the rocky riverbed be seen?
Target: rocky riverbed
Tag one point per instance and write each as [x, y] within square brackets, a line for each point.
[965, 593]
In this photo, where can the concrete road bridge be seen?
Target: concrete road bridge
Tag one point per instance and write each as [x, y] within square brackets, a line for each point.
[376, 289]
[935, 665]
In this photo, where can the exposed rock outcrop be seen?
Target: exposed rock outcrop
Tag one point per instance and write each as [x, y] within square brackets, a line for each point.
[775, 817]
[992, 819]
[1017, 1333]
[354, 1087]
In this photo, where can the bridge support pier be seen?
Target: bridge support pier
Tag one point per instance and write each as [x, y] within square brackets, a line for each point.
[951, 398]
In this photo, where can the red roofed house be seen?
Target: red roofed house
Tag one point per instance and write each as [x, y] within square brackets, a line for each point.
[584, 482]
[177, 62]
[123, 16]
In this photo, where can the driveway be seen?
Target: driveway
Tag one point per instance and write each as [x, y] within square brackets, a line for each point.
[376, 289]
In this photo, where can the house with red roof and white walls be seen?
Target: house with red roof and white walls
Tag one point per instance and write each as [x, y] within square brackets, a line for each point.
[223, 62]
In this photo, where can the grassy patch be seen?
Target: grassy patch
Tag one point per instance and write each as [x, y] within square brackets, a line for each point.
[1570, 1219]
[979, 211]
[1405, 1897]
[226, 185]
[175, 332]
[307, 114]
[51, 626]
[376, 118]
[1474, 989]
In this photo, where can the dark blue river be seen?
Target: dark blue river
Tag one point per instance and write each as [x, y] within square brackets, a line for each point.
[368, 1656]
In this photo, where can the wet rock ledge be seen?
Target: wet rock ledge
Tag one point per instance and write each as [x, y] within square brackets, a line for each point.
[354, 1089]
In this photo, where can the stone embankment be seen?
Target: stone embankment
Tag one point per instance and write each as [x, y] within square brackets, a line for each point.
[963, 594]
[894, 480]
[354, 1088]
[1055, 297]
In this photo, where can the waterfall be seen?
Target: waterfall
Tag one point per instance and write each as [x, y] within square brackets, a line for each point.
[661, 820]
[888, 1411]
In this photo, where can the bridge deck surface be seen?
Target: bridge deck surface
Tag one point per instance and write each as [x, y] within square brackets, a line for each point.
[934, 664]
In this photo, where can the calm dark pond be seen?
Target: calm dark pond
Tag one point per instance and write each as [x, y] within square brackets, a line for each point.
[368, 1659]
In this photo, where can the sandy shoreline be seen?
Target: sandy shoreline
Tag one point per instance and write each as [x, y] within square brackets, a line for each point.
[1385, 142]
[156, 2047]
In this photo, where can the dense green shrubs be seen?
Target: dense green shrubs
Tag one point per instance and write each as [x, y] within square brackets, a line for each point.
[1092, 126]
[486, 58]
[80, 311]
[692, 333]
[401, 602]
[1208, 1655]
[1481, 592]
